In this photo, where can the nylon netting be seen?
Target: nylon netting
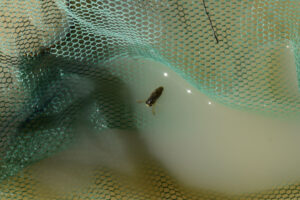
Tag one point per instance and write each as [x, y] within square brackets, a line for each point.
[48, 47]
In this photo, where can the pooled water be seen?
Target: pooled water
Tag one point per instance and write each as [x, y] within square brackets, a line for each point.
[207, 145]
[202, 144]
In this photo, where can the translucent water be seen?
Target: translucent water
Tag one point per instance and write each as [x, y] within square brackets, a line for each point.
[202, 143]
[207, 145]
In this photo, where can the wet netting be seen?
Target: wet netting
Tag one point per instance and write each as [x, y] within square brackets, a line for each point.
[52, 51]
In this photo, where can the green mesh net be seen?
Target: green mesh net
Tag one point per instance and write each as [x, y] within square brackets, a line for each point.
[55, 67]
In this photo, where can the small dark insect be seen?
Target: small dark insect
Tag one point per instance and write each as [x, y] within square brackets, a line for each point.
[150, 102]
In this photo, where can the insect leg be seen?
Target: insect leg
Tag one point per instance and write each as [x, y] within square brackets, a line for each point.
[153, 109]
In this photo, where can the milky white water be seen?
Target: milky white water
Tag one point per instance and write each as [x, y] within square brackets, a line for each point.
[201, 143]
[207, 145]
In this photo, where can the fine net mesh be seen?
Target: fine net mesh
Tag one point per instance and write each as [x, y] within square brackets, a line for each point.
[52, 49]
